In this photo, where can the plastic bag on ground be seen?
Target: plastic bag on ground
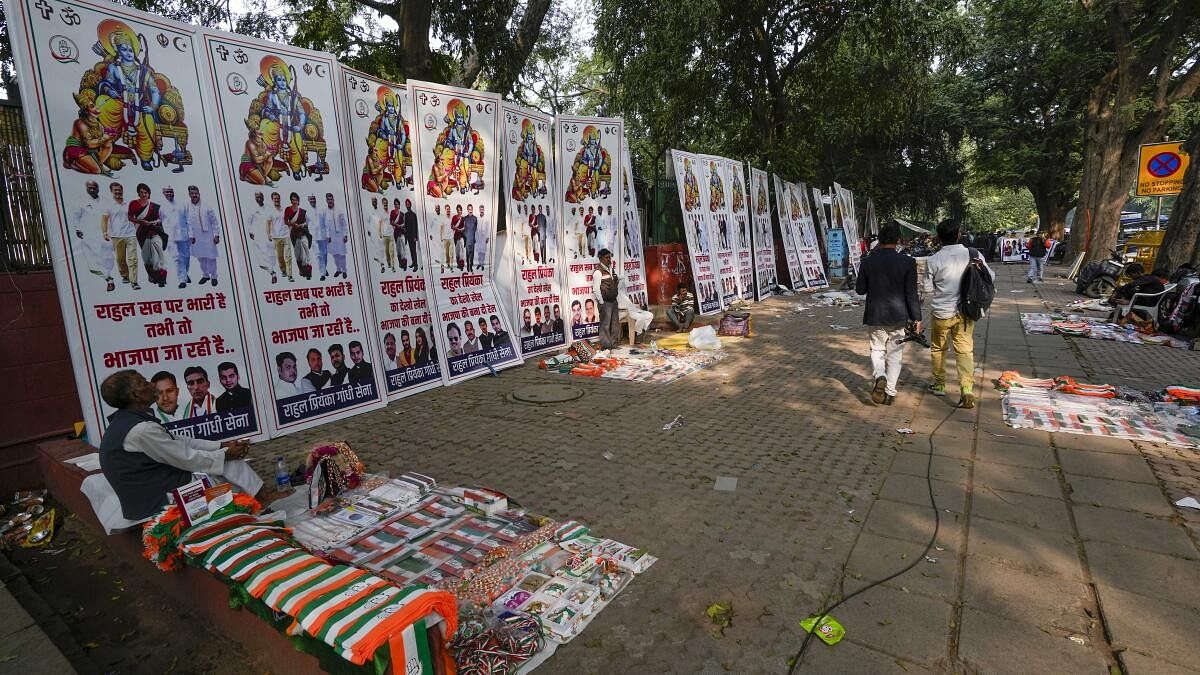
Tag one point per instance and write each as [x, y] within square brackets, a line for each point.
[704, 337]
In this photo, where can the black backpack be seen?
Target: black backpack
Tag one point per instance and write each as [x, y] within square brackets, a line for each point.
[977, 290]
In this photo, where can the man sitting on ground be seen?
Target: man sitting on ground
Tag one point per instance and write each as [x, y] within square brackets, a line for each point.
[683, 309]
[143, 461]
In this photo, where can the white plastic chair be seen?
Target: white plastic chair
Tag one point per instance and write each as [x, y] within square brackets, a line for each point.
[1147, 302]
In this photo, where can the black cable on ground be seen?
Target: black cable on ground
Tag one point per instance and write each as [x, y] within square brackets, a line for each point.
[937, 524]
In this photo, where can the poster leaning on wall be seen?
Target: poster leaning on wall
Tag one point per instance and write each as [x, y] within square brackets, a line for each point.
[739, 210]
[698, 230]
[456, 145]
[281, 145]
[389, 229]
[631, 252]
[785, 203]
[589, 169]
[810, 254]
[115, 108]
[761, 238]
[535, 230]
[721, 226]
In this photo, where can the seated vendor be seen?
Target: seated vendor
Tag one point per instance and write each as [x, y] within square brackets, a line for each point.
[143, 461]
[682, 310]
[1155, 282]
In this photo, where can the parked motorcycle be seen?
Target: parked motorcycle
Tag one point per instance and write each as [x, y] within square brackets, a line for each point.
[1177, 312]
[1098, 279]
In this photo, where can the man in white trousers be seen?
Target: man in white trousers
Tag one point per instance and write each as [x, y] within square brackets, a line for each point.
[889, 280]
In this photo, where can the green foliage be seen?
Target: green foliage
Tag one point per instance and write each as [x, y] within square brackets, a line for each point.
[991, 208]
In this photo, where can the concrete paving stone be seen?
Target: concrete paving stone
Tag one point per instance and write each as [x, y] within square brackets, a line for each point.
[852, 659]
[876, 557]
[1039, 599]
[1139, 664]
[914, 490]
[1118, 495]
[1134, 529]
[914, 463]
[911, 522]
[910, 626]
[30, 651]
[1093, 443]
[1125, 467]
[1164, 630]
[999, 451]
[1155, 575]
[1043, 482]
[1037, 551]
[13, 617]
[1020, 436]
[991, 644]
[1032, 511]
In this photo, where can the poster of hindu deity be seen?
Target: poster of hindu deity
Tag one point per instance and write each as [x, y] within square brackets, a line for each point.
[589, 157]
[456, 145]
[763, 241]
[290, 213]
[786, 204]
[720, 198]
[129, 192]
[809, 249]
[739, 211]
[632, 255]
[844, 217]
[694, 200]
[535, 230]
[390, 230]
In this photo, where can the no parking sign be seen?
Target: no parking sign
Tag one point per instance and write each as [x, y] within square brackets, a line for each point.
[1161, 167]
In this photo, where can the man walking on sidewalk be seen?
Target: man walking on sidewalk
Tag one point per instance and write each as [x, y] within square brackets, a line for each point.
[943, 279]
[889, 280]
[1037, 258]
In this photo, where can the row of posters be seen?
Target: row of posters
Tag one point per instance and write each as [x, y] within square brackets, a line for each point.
[294, 241]
[842, 212]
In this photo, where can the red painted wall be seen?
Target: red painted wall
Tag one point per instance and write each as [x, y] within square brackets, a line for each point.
[37, 389]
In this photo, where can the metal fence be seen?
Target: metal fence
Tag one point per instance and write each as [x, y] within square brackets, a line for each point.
[23, 244]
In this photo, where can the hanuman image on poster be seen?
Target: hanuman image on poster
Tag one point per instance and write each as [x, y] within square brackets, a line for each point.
[285, 129]
[458, 155]
[389, 145]
[126, 109]
[591, 173]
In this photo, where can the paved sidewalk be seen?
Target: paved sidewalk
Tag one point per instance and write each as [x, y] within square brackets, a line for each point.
[1056, 554]
[24, 645]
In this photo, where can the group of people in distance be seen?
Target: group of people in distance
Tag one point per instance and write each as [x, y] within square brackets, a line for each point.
[167, 407]
[290, 382]
[113, 234]
[284, 236]
[466, 340]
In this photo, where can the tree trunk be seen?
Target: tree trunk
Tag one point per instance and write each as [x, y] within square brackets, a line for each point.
[416, 58]
[1181, 243]
[1052, 211]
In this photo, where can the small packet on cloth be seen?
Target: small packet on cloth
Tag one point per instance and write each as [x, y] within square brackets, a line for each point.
[829, 630]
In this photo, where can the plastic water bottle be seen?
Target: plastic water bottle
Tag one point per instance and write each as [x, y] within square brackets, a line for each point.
[283, 479]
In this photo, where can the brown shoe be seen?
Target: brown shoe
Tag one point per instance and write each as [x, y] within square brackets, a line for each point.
[967, 401]
[888, 399]
[878, 394]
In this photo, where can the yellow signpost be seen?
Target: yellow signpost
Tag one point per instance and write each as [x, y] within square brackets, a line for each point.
[1160, 169]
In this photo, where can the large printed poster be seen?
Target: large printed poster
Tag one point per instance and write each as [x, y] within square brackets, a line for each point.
[632, 254]
[844, 217]
[698, 229]
[763, 241]
[117, 118]
[277, 109]
[589, 157]
[810, 255]
[739, 209]
[720, 197]
[456, 145]
[390, 229]
[535, 228]
[786, 204]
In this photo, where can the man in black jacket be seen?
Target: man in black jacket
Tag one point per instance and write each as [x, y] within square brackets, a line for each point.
[889, 280]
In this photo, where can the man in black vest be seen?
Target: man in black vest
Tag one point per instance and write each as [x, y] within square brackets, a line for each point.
[143, 461]
[889, 280]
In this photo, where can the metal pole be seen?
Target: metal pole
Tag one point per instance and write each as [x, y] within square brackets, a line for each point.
[1158, 213]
